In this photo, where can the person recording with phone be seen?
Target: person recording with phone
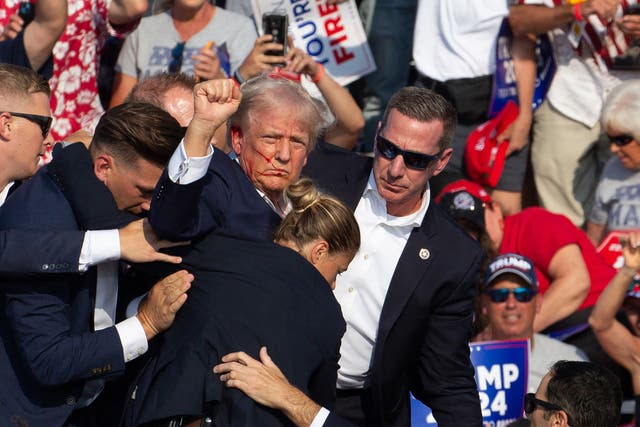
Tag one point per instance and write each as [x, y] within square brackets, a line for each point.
[29, 43]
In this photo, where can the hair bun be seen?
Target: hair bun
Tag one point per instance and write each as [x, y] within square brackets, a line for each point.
[303, 194]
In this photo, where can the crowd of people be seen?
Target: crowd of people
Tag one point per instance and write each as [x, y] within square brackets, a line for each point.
[208, 243]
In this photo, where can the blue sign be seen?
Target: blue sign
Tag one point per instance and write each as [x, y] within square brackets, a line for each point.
[504, 79]
[501, 374]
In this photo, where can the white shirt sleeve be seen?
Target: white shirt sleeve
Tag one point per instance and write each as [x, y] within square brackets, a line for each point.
[185, 170]
[320, 418]
[99, 246]
[132, 337]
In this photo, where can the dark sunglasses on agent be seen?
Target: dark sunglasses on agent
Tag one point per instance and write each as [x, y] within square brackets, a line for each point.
[531, 402]
[520, 294]
[621, 140]
[43, 121]
[176, 58]
[412, 160]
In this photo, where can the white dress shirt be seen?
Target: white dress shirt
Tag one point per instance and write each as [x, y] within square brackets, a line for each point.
[362, 289]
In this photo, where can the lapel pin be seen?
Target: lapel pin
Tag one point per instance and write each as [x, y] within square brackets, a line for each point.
[424, 253]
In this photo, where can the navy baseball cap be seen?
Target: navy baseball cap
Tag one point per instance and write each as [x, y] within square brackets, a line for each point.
[511, 263]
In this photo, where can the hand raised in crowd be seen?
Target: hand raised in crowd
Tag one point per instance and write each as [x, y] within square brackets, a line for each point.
[605, 9]
[13, 27]
[265, 383]
[138, 243]
[207, 64]
[158, 309]
[517, 133]
[300, 62]
[631, 251]
[258, 61]
[630, 24]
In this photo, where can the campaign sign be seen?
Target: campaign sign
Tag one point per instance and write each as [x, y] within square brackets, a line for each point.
[611, 250]
[501, 374]
[504, 78]
[332, 34]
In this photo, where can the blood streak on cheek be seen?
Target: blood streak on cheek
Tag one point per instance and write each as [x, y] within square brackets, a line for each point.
[272, 172]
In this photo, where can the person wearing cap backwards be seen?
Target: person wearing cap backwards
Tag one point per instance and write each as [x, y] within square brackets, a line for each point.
[620, 342]
[571, 274]
[510, 302]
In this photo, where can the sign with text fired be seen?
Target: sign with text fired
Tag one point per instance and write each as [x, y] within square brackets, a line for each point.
[331, 34]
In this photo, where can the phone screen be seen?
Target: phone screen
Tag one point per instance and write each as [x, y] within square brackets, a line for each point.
[27, 12]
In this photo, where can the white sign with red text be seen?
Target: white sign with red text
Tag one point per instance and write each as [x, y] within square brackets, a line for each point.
[331, 34]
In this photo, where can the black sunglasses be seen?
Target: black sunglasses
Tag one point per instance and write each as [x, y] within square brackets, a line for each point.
[621, 140]
[412, 160]
[43, 121]
[520, 294]
[531, 402]
[176, 58]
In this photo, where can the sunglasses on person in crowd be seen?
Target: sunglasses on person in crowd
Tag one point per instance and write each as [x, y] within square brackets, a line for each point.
[176, 58]
[412, 160]
[531, 402]
[43, 121]
[621, 140]
[520, 294]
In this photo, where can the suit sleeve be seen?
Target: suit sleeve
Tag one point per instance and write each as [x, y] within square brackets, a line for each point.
[188, 211]
[40, 251]
[445, 378]
[38, 314]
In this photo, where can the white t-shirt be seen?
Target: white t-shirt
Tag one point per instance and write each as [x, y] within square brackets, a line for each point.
[457, 39]
[579, 86]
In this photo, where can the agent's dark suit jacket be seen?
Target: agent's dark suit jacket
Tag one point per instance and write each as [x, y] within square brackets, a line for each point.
[227, 204]
[246, 294]
[48, 350]
[425, 325]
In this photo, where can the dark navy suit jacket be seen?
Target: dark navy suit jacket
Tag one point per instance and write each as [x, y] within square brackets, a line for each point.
[48, 350]
[425, 324]
[246, 294]
[227, 204]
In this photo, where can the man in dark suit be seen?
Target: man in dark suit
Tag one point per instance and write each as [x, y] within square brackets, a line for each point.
[407, 296]
[25, 118]
[59, 339]
[273, 125]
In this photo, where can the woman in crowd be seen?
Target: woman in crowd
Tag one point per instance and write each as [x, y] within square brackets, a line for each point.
[247, 295]
[187, 36]
[617, 199]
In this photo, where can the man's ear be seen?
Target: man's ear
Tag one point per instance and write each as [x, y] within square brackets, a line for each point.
[319, 251]
[5, 125]
[443, 160]
[236, 138]
[103, 167]
[559, 419]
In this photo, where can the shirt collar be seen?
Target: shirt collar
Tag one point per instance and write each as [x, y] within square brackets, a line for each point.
[379, 206]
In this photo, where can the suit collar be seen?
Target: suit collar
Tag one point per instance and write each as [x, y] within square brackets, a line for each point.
[416, 259]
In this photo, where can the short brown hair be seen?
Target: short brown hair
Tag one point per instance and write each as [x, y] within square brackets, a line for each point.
[315, 215]
[153, 89]
[424, 105]
[16, 82]
[137, 130]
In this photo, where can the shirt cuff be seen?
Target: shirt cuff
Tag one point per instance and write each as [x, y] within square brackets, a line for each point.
[132, 337]
[99, 246]
[320, 418]
[185, 170]
[132, 307]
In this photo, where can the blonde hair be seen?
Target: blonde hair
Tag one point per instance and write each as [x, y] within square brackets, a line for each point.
[315, 215]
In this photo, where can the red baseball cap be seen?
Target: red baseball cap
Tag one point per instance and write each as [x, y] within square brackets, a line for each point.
[465, 185]
[484, 157]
